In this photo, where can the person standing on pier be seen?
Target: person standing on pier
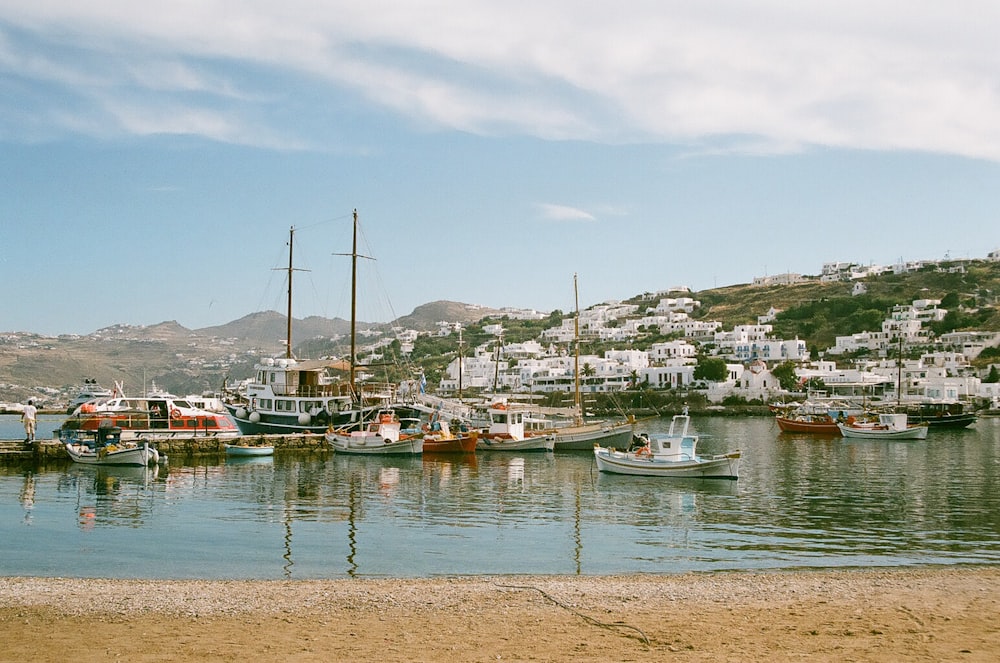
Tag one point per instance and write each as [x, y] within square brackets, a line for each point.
[28, 417]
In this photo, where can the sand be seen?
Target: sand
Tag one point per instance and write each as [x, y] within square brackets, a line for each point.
[948, 614]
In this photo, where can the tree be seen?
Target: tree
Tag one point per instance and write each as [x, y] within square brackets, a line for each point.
[712, 369]
[785, 373]
[994, 375]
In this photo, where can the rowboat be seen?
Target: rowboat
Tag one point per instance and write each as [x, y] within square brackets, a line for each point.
[245, 449]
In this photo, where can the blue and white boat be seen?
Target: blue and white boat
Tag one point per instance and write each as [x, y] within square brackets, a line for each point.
[673, 454]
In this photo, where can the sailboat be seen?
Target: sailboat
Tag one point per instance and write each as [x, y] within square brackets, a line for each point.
[288, 396]
[382, 434]
[581, 435]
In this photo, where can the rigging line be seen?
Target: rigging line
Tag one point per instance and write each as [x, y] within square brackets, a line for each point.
[586, 618]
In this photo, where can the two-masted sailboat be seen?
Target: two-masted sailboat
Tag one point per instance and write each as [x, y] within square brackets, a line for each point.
[287, 395]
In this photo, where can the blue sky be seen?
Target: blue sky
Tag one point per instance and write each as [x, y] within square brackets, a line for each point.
[154, 155]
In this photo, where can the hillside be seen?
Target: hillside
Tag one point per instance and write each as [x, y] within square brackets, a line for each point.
[184, 361]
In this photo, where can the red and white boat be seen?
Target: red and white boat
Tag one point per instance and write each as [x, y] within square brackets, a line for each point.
[153, 417]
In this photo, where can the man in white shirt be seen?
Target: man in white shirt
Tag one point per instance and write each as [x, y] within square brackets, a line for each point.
[28, 417]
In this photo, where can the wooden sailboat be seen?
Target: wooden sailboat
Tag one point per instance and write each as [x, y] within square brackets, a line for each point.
[584, 436]
[382, 434]
[288, 396]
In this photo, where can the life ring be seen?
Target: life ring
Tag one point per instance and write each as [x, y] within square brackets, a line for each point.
[499, 406]
[644, 452]
[175, 413]
[385, 418]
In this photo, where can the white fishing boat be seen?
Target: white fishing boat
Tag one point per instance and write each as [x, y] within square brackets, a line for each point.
[105, 447]
[506, 432]
[673, 454]
[889, 426]
[381, 436]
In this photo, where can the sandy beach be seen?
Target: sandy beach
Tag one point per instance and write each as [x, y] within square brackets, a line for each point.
[948, 614]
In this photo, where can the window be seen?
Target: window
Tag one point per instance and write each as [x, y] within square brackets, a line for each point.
[284, 406]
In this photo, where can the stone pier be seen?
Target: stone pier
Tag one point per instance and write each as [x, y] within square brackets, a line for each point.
[177, 448]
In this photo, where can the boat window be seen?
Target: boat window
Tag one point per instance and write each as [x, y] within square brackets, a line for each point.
[264, 404]
[284, 406]
[308, 406]
[182, 404]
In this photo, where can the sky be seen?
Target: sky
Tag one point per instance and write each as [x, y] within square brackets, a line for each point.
[154, 156]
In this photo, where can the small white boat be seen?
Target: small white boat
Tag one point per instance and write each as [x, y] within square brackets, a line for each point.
[506, 432]
[381, 437]
[105, 447]
[673, 454]
[890, 426]
[246, 449]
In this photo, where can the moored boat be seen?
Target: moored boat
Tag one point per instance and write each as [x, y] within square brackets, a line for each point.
[150, 417]
[105, 447]
[440, 440]
[889, 426]
[380, 437]
[673, 454]
[248, 449]
[506, 432]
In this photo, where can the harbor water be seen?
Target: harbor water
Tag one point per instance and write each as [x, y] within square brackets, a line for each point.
[801, 502]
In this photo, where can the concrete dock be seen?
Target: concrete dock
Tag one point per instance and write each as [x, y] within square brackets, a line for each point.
[15, 451]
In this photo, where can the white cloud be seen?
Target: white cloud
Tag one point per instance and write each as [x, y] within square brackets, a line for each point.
[850, 74]
[564, 213]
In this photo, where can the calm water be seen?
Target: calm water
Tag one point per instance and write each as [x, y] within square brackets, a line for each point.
[801, 502]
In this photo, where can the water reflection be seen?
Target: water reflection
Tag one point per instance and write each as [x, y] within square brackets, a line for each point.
[800, 501]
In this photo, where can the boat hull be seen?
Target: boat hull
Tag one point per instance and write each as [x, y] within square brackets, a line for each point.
[458, 445]
[724, 466]
[374, 445]
[123, 455]
[583, 438]
[788, 425]
[911, 433]
[535, 443]
[248, 450]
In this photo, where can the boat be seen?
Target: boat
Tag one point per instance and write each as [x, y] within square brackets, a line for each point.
[440, 440]
[506, 432]
[938, 414]
[88, 391]
[818, 417]
[289, 396]
[888, 426]
[582, 436]
[248, 449]
[105, 446]
[381, 436]
[148, 417]
[673, 454]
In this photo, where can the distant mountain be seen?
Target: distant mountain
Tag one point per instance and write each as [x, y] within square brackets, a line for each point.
[269, 326]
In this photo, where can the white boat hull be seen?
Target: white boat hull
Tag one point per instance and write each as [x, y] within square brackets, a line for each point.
[533, 443]
[911, 433]
[125, 454]
[724, 466]
[374, 445]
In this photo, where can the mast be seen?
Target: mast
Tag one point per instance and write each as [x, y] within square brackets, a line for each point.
[459, 363]
[288, 331]
[355, 396]
[354, 304]
[577, 402]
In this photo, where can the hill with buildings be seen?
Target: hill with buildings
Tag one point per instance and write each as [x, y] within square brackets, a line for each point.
[807, 312]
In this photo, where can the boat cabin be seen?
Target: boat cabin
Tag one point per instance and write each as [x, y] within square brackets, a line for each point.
[675, 445]
[505, 421]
